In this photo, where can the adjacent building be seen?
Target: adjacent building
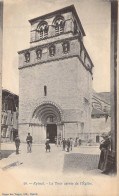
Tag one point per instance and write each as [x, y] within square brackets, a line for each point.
[55, 77]
[9, 116]
[101, 115]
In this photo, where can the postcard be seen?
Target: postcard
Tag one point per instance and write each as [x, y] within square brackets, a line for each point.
[59, 98]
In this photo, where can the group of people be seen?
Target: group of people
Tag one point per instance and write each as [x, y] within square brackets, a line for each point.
[67, 145]
[29, 143]
[73, 141]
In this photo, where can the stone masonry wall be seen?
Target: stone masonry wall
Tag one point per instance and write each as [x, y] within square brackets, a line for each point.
[60, 77]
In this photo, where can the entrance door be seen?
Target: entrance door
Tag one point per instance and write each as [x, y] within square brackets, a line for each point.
[51, 132]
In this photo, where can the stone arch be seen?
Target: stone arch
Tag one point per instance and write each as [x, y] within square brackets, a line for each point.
[42, 30]
[44, 110]
[59, 24]
[58, 19]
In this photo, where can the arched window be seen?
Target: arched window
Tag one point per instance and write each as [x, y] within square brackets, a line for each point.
[59, 25]
[52, 50]
[65, 46]
[27, 56]
[42, 29]
[38, 53]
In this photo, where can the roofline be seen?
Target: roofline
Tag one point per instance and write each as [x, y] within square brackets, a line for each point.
[93, 96]
[88, 55]
[63, 10]
[10, 92]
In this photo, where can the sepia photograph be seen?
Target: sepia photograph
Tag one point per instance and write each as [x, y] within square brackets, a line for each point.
[58, 94]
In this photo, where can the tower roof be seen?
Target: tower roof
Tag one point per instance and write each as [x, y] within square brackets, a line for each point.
[70, 8]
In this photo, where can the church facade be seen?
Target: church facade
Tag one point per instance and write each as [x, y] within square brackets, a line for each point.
[55, 77]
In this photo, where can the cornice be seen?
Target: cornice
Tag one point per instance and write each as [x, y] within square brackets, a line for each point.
[76, 37]
[56, 59]
[48, 44]
[47, 38]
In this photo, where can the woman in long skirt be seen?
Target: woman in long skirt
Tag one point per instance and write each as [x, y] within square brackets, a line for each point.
[105, 152]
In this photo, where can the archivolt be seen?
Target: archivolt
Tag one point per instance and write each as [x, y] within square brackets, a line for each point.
[46, 109]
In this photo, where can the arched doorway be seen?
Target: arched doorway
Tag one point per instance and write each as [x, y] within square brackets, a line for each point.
[46, 122]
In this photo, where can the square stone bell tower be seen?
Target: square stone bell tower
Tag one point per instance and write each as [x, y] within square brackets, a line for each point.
[55, 79]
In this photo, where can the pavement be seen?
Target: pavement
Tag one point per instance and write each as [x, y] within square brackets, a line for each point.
[80, 158]
[55, 173]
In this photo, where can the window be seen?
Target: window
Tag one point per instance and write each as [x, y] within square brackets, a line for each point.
[80, 35]
[81, 49]
[84, 57]
[105, 109]
[52, 50]
[4, 130]
[59, 25]
[88, 66]
[75, 27]
[42, 29]
[45, 90]
[97, 138]
[38, 53]
[65, 46]
[27, 57]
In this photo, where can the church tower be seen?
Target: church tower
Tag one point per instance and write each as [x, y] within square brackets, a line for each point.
[55, 76]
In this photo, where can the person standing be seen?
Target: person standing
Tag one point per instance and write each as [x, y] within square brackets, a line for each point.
[68, 145]
[71, 143]
[105, 152]
[47, 145]
[29, 143]
[17, 144]
[55, 140]
[79, 142]
[64, 143]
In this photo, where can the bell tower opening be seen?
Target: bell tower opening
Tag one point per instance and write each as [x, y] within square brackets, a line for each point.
[51, 132]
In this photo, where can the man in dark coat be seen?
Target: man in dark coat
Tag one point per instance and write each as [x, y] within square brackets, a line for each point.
[64, 143]
[17, 144]
[71, 144]
[68, 145]
[47, 145]
[29, 142]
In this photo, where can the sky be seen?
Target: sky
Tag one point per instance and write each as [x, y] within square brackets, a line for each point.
[94, 16]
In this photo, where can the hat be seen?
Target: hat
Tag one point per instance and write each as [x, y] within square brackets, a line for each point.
[104, 135]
